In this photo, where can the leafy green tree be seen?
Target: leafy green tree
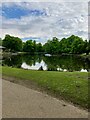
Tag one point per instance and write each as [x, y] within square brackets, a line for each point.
[71, 45]
[28, 46]
[34, 45]
[87, 46]
[39, 47]
[52, 46]
[77, 45]
[13, 44]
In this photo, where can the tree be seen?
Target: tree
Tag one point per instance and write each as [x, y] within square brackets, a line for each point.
[39, 47]
[12, 44]
[87, 46]
[29, 46]
[34, 45]
[72, 44]
[77, 45]
[52, 46]
[0, 42]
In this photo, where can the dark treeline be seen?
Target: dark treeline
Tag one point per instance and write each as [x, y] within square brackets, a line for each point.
[15, 44]
[70, 45]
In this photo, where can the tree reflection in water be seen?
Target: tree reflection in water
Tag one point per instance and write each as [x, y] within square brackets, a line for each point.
[53, 63]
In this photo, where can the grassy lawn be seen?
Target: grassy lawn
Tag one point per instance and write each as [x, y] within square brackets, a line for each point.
[72, 86]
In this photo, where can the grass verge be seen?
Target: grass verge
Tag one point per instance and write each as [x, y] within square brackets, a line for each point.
[72, 86]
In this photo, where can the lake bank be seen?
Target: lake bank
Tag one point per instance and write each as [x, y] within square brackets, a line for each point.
[70, 86]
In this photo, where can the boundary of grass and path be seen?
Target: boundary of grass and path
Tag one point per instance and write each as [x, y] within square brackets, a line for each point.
[69, 86]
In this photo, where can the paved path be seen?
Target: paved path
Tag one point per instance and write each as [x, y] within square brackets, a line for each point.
[21, 102]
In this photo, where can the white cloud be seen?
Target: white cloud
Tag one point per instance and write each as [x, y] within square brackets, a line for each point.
[45, 1]
[62, 19]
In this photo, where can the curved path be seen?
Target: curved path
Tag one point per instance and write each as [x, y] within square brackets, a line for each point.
[21, 102]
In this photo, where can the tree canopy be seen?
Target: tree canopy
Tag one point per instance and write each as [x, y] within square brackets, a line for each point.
[12, 44]
[70, 45]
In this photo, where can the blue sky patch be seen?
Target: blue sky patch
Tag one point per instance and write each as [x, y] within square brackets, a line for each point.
[31, 38]
[17, 12]
[14, 12]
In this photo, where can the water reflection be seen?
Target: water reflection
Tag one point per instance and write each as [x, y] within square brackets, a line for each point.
[84, 70]
[52, 63]
[36, 66]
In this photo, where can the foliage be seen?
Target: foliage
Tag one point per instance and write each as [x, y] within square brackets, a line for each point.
[0, 42]
[39, 47]
[12, 44]
[28, 46]
[31, 46]
[52, 46]
[70, 45]
[87, 46]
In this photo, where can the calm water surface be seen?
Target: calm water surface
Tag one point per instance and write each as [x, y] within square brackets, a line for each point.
[50, 63]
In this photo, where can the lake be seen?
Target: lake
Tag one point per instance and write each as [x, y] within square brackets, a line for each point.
[51, 63]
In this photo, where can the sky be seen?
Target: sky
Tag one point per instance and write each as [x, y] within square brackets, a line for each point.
[41, 21]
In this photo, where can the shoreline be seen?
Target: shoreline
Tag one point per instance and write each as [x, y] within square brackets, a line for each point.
[83, 56]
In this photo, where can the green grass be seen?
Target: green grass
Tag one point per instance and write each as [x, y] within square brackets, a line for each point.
[72, 86]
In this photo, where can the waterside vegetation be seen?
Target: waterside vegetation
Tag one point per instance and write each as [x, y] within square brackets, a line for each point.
[70, 45]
